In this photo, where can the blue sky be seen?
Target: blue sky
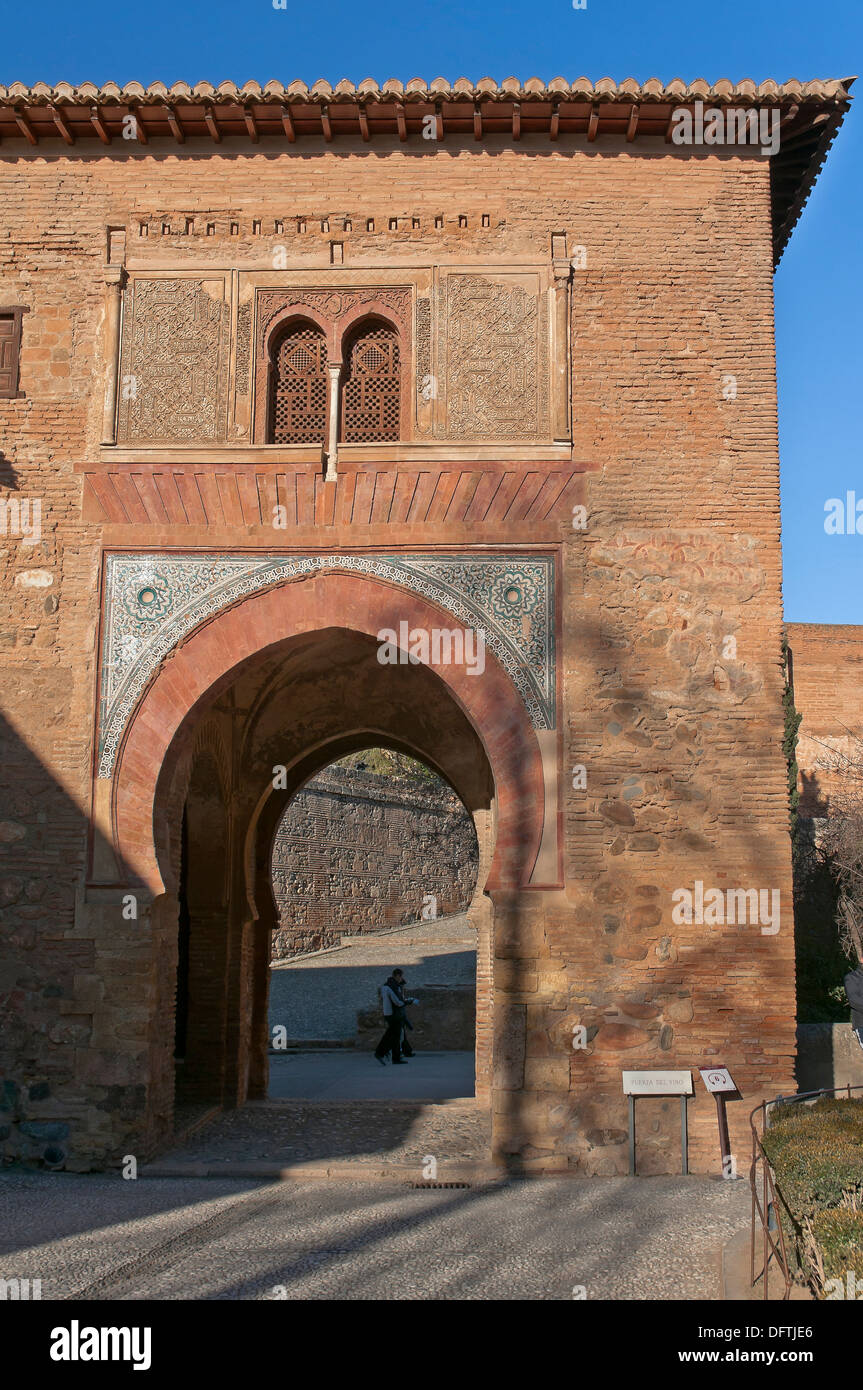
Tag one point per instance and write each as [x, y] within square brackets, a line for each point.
[819, 285]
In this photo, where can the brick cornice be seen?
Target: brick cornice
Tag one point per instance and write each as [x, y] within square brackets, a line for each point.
[425, 114]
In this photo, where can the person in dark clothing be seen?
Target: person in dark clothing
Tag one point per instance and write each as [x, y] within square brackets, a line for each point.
[854, 991]
[407, 1026]
[393, 1004]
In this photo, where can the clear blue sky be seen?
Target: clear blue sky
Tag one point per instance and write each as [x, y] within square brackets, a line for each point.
[819, 285]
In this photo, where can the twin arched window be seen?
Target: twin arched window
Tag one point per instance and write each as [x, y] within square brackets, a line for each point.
[368, 382]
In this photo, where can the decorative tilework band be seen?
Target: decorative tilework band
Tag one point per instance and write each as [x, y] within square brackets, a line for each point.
[152, 601]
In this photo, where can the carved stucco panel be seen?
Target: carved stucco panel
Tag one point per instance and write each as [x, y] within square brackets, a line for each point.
[244, 348]
[333, 305]
[426, 386]
[174, 362]
[495, 339]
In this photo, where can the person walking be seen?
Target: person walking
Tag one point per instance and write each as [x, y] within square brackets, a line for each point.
[407, 1050]
[854, 992]
[393, 1005]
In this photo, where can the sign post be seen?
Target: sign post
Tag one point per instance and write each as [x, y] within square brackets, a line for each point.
[719, 1082]
[658, 1083]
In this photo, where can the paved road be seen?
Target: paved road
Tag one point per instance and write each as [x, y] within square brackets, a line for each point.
[102, 1237]
[341, 1074]
[317, 997]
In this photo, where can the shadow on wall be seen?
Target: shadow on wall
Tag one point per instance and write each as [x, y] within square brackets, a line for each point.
[8, 475]
[828, 1056]
[820, 960]
[62, 1038]
[60, 1074]
[663, 995]
[814, 801]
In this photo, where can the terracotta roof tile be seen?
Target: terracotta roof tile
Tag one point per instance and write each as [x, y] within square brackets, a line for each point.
[605, 89]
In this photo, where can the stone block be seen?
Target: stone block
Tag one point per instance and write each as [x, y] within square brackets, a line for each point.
[547, 1074]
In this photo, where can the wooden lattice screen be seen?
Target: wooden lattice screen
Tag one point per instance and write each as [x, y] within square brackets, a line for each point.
[298, 409]
[371, 400]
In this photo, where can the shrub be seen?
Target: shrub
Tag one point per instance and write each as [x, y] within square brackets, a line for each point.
[816, 1152]
[838, 1233]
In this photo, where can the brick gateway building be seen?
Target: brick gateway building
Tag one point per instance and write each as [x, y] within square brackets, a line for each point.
[283, 369]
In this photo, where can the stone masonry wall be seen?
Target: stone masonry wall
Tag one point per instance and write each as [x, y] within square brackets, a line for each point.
[679, 730]
[358, 851]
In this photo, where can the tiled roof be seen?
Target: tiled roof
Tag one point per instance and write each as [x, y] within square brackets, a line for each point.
[416, 90]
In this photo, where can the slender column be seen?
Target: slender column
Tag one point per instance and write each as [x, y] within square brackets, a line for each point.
[562, 276]
[333, 425]
[113, 279]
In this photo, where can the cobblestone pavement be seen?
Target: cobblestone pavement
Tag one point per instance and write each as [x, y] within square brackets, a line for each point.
[101, 1237]
[317, 997]
[372, 1132]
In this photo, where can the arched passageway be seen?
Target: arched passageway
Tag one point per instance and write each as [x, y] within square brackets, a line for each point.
[250, 707]
[374, 868]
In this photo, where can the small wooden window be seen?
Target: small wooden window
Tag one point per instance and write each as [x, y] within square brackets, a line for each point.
[371, 401]
[10, 350]
[298, 399]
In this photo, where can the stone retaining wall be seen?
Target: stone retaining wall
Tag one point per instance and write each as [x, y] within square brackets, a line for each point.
[358, 851]
[828, 1054]
[443, 1021]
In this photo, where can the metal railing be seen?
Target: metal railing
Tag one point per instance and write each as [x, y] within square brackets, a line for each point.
[766, 1209]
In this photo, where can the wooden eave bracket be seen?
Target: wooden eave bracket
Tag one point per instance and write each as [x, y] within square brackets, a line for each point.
[61, 124]
[25, 127]
[99, 125]
[288, 124]
[173, 121]
[212, 124]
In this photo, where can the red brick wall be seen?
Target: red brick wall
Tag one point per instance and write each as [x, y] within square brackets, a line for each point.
[828, 692]
[682, 744]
